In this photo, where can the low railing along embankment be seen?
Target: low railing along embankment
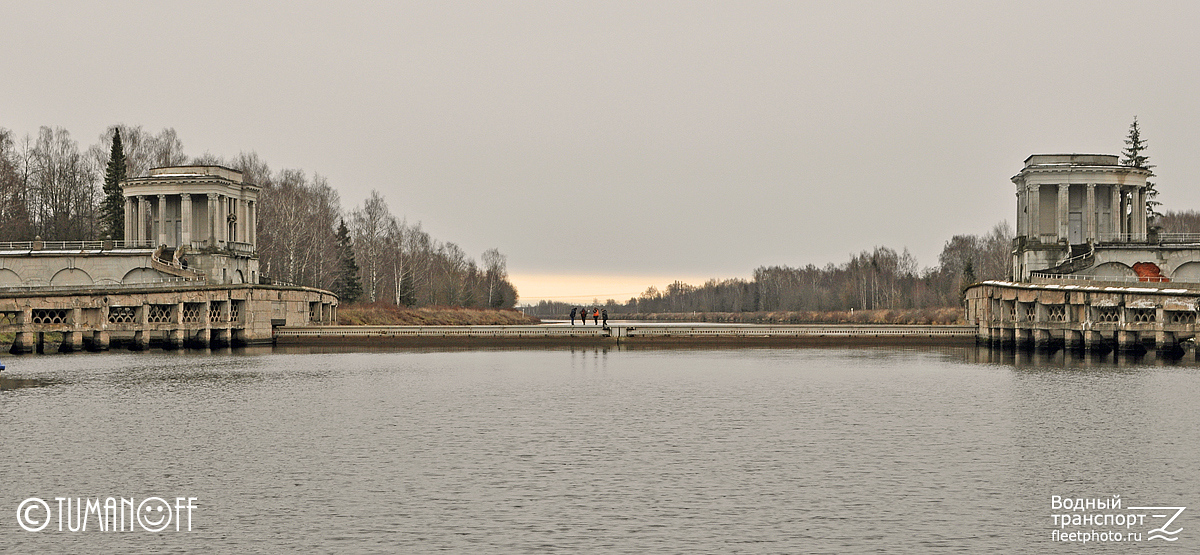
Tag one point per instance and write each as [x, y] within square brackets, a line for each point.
[634, 332]
[1081, 279]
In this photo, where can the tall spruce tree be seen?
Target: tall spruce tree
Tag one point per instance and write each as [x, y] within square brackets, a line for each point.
[348, 288]
[112, 211]
[1134, 148]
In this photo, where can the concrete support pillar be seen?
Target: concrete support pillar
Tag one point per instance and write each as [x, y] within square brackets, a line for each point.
[23, 339]
[1041, 339]
[141, 337]
[1072, 340]
[101, 340]
[185, 217]
[202, 336]
[1127, 341]
[1022, 338]
[1115, 209]
[1091, 233]
[175, 336]
[22, 343]
[73, 340]
[1165, 342]
[220, 336]
[1092, 340]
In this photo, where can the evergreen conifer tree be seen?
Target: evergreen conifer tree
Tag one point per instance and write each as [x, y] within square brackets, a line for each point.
[348, 288]
[1134, 147]
[112, 210]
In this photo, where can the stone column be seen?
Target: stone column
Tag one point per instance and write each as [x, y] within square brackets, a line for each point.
[222, 218]
[162, 219]
[252, 225]
[130, 229]
[212, 220]
[1063, 212]
[185, 217]
[237, 223]
[1090, 217]
[1035, 211]
[143, 215]
[1021, 212]
[1139, 212]
[1115, 210]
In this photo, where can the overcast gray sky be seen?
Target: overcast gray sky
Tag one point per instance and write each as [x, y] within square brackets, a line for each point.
[604, 145]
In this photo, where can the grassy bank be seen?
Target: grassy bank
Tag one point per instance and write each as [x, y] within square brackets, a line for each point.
[948, 315]
[391, 315]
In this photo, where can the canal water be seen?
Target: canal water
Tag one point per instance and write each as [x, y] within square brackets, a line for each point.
[768, 450]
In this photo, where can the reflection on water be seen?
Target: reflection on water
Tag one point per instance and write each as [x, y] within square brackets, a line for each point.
[1063, 358]
[7, 383]
[503, 450]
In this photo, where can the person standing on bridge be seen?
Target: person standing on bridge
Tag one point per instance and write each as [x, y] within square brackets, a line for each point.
[596, 316]
[573, 309]
[604, 317]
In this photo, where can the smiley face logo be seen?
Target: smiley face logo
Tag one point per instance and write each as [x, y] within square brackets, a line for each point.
[154, 514]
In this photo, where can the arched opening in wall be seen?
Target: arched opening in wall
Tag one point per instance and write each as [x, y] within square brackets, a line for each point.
[141, 275]
[1113, 269]
[71, 276]
[9, 278]
[238, 277]
[1188, 272]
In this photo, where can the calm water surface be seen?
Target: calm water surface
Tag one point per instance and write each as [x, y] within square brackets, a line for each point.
[599, 451]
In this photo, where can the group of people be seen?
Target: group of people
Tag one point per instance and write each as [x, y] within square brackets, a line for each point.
[597, 315]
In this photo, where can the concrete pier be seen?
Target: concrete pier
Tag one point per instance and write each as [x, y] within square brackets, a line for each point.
[170, 316]
[1084, 314]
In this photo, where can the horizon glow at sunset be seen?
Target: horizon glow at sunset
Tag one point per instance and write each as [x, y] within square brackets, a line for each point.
[584, 288]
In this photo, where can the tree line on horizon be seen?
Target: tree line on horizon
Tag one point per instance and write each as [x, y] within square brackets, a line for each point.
[50, 188]
[878, 279]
